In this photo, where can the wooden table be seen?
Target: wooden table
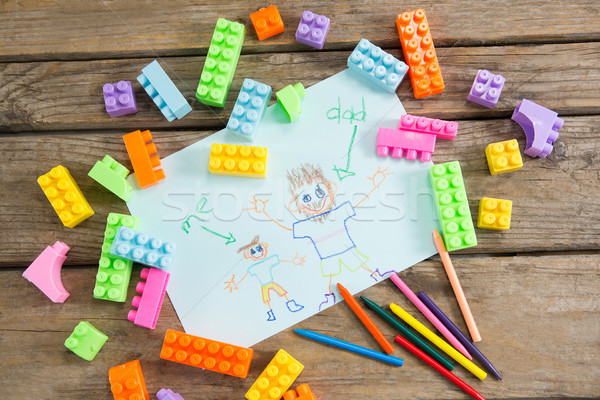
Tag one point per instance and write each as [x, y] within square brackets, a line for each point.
[534, 289]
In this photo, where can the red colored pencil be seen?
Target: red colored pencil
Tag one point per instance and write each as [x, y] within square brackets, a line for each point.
[449, 375]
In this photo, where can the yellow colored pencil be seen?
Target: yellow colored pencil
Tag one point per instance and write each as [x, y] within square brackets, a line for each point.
[439, 342]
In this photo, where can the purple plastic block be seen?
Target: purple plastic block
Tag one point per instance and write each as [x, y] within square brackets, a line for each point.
[486, 88]
[119, 99]
[541, 127]
[313, 29]
[168, 394]
[399, 142]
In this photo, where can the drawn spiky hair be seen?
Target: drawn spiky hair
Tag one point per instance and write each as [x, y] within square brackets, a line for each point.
[252, 243]
[304, 173]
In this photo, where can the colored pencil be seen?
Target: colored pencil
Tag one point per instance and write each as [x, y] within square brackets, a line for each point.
[458, 291]
[449, 375]
[439, 342]
[350, 347]
[415, 339]
[458, 333]
[429, 315]
[364, 318]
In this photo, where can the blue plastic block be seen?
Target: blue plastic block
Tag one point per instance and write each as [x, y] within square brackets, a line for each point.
[163, 91]
[379, 67]
[249, 109]
[142, 248]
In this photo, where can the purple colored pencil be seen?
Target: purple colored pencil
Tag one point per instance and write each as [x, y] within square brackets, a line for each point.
[457, 332]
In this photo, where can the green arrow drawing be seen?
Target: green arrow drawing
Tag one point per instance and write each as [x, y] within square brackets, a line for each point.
[344, 173]
[230, 238]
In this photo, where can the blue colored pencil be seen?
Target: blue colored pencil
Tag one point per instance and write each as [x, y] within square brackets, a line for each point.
[350, 347]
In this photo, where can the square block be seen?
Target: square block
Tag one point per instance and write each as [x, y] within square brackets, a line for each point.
[503, 157]
[86, 341]
[267, 22]
[127, 381]
[486, 88]
[249, 108]
[277, 378]
[376, 65]
[494, 214]
[163, 92]
[313, 29]
[119, 99]
[236, 160]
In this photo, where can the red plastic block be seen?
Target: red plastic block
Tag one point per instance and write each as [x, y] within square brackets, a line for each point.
[44, 272]
[267, 22]
[413, 143]
[127, 382]
[145, 162]
[302, 392]
[153, 293]
[442, 129]
[207, 354]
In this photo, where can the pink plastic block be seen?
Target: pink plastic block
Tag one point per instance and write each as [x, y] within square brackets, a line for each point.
[541, 127]
[412, 143]
[442, 129]
[44, 272]
[153, 293]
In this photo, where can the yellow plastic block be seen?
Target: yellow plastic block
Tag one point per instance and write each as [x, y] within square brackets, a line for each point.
[235, 160]
[65, 196]
[276, 379]
[494, 214]
[503, 157]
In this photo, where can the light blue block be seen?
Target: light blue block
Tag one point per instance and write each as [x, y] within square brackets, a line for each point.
[163, 91]
[142, 248]
[379, 67]
[249, 109]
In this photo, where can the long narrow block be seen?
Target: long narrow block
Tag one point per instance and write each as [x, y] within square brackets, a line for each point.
[235, 160]
[152, 295]
[276, 379]
[145, 161]
[111, 174]
[407, 144]
[442, 129]
[127, 382]
[249, 109]
[142, 248]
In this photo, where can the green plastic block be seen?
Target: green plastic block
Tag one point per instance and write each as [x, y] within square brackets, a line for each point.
[289, 99]
[452, 206]
[111, 175]
[114, 272]
[221, 60]
[86, 341]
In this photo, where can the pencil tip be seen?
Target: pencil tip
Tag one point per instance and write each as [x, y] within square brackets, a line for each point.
[436, 234]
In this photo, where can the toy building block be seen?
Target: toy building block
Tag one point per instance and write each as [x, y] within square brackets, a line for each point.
[64, 195]
[153, 293]
[494, 214]
[163, 92]
[111, 175]
[452, 206]
[249, 109]
[127, 382]
[289, 100]
[277, 378]
[541, 127]
[379, 67]
[313, 29]
[486, 88]
[302, 392]
[419, 53]
[44, 272]
[142, 248]
[145, 161]
[235, 160]
[86, 341]
[221, 60]
[206, 354]
[267, 22]
[503, 157]
[119, 99]
[442, 129]
[114, 273]
[399, 142]
[168, 394]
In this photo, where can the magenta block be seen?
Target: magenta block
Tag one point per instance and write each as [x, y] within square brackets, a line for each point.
[168, 394]
[152, 295]
[44, 272]
[442, 129]
[486, 88]
[409, 144]
[119, 99]
[541, 127]
[313, 29]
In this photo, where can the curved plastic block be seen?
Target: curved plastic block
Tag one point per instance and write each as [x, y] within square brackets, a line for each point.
[302, 392]
[111, 175]
[289, 100]
[494, 214]
[407, 144]
[145, 161]
[127, 382]
[168, 394]
[503, 157]
[249, 108]
[86, 341]
[119, 99]
[142, 248]
[163, 91]
[452, 206]
[442, 129]
[541, 127]
[267, 22]
[419, 53]
[221, 61]
[235, 160]
[313, 29]
[277, 378]
[44, 272]
[486, 88]
[379, 67]
[206, 354]
[153, 293]
[64, 195]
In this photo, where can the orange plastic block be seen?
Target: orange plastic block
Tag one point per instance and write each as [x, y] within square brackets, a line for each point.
[419, 53]
[64, 195]
[207, 354]
[276, 379]
[145, 162]
[302, 392]
[267, 22]
[236, 160]
[503, 157]
[127, 382]
[494, 214]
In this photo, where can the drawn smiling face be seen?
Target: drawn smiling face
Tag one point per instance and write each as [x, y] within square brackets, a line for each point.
[311, 193]
[314, 198]
[257, 251]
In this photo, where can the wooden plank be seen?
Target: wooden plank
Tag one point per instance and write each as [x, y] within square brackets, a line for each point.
[67, 30]
[539, 318]
[555, 199]
[68, 95]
